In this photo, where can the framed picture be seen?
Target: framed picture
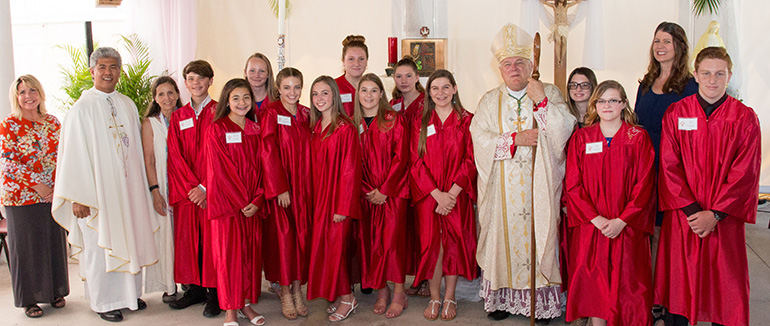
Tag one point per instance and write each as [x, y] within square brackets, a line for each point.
[428, 53]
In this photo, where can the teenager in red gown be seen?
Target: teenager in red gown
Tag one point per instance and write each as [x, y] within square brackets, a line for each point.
[259, 73]
[286, 160]
[385, 155]
[336, 170]
[408, 99]
[610, 186]
[443, 188]
[710, 157]
[193, 262]
[355, 56]
[236, 201]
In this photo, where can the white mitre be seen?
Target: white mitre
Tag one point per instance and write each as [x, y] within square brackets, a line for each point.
[512, 41]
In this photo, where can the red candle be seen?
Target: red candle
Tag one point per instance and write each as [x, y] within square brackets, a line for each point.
[392, 49]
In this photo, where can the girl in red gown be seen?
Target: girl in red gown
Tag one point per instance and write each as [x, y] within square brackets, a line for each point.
[336, 179]
[235, 200]
[384, 151]
[355, 57]
[286, 160]
[610, 197]
[259, 73]
[443, 184]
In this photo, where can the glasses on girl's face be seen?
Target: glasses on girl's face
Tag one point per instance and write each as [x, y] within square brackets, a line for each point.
[583, 85]
[613, 101]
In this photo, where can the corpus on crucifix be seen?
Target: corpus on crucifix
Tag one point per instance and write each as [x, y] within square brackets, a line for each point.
[559, 33]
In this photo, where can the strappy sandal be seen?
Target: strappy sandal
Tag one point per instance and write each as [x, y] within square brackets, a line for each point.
[299, 304]
[33, 311]
[424, 290]
[259, 320]
[398, 299]
[287, 307]
[379, 306]
[331, 308]
[59, 303]
[446, 310]
[433, 313]
[340, 317]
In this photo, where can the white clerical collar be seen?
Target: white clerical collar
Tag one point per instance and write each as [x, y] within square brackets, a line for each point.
[104, 93]
[202, 105]
[517, 94]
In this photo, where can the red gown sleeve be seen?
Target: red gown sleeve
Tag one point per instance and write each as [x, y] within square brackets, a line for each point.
[275, 175]
[348, 202]
[180, 176]
[421, 182]
[579, 204]
[673, 190]
[638, 212]
[395, 184]
[226, 195]
[466, 175]
[743, 176]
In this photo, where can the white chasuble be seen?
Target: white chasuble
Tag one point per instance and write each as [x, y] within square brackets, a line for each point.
[100, 165]
[505, 188]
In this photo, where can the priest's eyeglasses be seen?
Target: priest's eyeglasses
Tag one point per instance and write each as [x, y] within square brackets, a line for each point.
[613, 101]
[583, 85]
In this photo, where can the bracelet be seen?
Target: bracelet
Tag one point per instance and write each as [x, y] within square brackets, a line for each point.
[153, 187]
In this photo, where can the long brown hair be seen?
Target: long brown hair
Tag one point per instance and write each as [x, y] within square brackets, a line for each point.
[407, 62]
[627, 114]
[223, 106]
[430, 106]
[154, 108]
[272, 92]
[680, 72]
[589, 74]
[337, 110]
[383, 106]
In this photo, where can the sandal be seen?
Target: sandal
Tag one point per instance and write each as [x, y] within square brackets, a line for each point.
[424, 290]
[258, 320]
[433, 313]
[287, 307]
[299, 303]
[33, 311]
[663, 316]
[399, 299]
[332, 308]
[59, 303]
[446, 310]
[382, 301]
[340, 317]
[275, 288]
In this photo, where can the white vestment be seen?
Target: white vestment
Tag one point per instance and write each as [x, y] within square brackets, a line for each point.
[160, 277]
[100, 165]
[505, 188]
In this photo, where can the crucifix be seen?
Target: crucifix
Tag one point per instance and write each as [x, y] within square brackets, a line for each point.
[558, 36]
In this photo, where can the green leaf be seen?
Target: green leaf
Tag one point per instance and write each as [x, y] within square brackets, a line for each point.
[274, 6]
[699, 7]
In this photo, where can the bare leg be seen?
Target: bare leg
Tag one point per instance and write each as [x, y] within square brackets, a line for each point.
[231, 316]
[287, 303]
[596, 321]
[399, 302]
[435, 288]
[299, 298]
[382, 300]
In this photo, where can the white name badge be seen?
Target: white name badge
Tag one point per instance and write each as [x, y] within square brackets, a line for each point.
[360, 129]
[431, 130]
[347, 98]
[592, 148]
[284, 120]
[397, 106]
[233, 137]
[187, 123]
[688, 123]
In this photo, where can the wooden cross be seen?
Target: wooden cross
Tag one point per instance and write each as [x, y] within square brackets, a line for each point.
[560, 40]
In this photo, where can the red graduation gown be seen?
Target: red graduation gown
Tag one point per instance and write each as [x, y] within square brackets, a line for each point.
[234, 179]
[385, 155]
[264, 103]
[336, 170]
[414, 108]
[345, 89]
[286, 160]
[186, 170]
[448, 159]
[611, 278]
[717, 165]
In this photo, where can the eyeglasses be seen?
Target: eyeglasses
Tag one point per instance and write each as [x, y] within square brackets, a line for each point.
[583, 85]
[613, 101]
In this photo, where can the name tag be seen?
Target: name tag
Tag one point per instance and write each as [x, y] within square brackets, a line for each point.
[431, 130]
[187, 123]
[284, 120]
[233, 137]
[397, 106]
[688, 123]
[592, 148]
[360, 129]
[347, 98]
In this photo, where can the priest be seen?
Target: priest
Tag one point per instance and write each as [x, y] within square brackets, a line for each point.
[101, 194]
[710, 157]
[504, 142]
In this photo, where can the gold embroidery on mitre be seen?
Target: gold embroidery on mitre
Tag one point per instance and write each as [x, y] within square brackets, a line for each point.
[511, 46]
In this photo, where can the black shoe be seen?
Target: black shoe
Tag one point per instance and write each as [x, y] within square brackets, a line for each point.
[141, 305]
[169, 298]
[114, 315]
[542, 321]
[212, 304]
[498, 315]
[366, 290]
[192, 296]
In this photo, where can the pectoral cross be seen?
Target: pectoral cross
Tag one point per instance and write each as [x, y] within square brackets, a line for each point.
[519, 122]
